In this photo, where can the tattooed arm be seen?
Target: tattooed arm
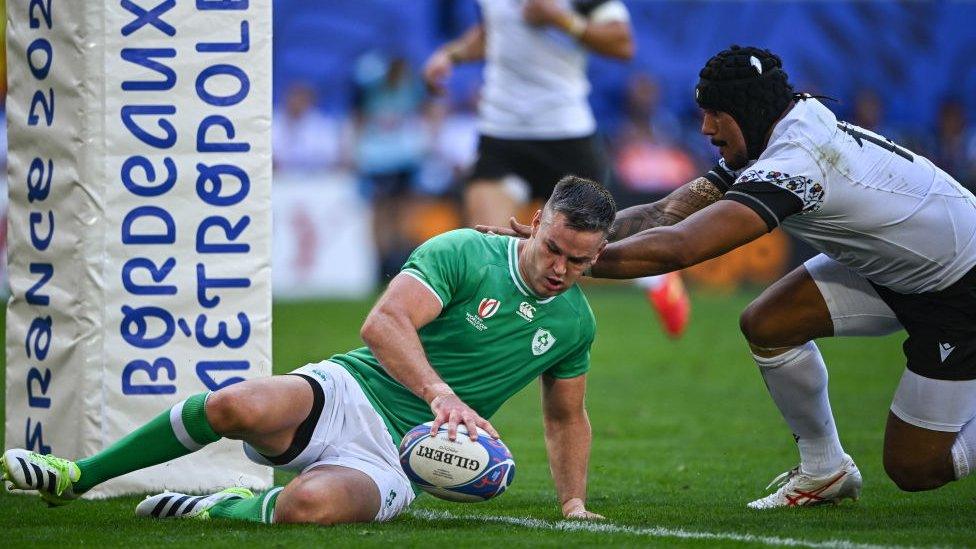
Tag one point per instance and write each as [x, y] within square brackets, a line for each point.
[682, 202]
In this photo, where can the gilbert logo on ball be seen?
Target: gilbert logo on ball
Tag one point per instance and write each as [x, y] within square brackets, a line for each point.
[456, 470]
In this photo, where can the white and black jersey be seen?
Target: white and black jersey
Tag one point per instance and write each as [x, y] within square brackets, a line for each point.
[888, 214]
[535, 77]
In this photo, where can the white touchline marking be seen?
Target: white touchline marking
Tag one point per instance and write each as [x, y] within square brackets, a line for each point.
[654, 531]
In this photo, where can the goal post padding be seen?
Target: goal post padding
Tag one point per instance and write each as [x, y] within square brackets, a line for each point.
[139, 228]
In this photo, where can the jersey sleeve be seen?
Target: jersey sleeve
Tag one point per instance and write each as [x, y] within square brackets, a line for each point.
[577, 362]
[785, 183]
[440, 263]
[721, 176]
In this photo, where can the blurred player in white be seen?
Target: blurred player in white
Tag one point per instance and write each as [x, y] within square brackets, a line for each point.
[897, 237]
[535, 124]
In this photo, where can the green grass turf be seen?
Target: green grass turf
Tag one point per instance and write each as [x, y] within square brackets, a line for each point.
[684, 436]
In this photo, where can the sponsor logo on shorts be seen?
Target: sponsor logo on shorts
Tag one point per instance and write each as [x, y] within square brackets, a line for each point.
[945, 350]
[526, 311]
[488, 307]
[321, 374]
[542, 341]
[391, 498]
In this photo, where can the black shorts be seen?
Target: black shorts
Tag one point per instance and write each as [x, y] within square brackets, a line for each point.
[540, 162]
[388, 185]
[941, 329]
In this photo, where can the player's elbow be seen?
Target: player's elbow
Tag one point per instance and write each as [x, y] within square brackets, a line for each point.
[372, 327]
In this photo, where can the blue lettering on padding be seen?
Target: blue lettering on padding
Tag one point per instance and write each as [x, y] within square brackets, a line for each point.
[168, 237]
[145, 190]
[151, 17]
[46, 270]
[157, 274]
[223, 122]
[143, 57]
[129, 112]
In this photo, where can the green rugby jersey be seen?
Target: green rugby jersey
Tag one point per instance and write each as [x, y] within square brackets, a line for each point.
[492, 337]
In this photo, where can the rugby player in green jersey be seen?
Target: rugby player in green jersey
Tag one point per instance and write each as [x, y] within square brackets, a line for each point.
[471, 319]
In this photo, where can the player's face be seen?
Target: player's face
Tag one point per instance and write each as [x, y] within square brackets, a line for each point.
[556, 255]
[724, 133]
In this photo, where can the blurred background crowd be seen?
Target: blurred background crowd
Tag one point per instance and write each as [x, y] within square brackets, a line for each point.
[350, 99]
[367, 163]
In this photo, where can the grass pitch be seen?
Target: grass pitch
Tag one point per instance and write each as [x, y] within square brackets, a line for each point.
[684, 436]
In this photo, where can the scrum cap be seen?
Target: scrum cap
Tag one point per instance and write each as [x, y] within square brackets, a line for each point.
[750, 84]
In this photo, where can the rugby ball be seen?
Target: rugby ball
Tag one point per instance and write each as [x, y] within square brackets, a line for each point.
[462, 470]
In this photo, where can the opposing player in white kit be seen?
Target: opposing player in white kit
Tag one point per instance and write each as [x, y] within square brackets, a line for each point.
[534, 119]
[535, 124]
[897, 237]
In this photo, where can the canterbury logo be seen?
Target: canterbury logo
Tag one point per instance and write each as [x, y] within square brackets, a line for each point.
[526, 311]
[488, 307]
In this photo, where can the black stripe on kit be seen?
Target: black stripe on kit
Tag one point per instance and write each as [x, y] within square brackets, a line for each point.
[39, 475]
[176, 506]
[159, 506]
[303, 435]
[721, 178]
[27, 475]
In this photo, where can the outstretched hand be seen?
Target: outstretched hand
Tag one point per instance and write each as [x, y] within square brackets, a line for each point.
[450, 409]
[575, 509]
[436, 71]
[515, 229]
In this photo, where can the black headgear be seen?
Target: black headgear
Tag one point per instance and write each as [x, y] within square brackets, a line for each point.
[750, 85]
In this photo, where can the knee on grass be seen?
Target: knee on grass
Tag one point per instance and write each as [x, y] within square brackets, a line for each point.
[309, 503]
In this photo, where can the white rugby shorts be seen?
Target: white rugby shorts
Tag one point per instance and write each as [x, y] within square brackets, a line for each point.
[350, 433]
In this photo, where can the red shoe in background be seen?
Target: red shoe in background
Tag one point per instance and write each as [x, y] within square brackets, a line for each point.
[670, 300]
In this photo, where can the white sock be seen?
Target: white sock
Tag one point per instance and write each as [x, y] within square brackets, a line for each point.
[797, 381]
[964, 450]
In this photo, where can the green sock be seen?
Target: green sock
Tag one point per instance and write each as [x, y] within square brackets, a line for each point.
[182, 430]
[260, 508]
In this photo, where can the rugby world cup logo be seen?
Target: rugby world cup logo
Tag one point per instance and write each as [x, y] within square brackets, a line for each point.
[488, 307]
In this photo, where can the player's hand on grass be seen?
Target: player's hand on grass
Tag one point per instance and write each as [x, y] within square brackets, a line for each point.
[437, 70]
[450, 409]
[575, 509]
[517, 229]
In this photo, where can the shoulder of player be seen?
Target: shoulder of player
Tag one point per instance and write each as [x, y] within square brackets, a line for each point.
[579, 306]
[466, 238]
[471, 248]
[790, 156]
